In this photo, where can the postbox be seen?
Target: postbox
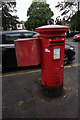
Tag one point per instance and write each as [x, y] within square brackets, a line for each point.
[28, 51]
[52, 51]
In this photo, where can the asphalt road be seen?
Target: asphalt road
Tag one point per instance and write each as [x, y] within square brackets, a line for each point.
[22, 96]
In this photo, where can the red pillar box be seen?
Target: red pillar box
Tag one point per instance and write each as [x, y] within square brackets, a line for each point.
[52, 51]
[28, 52]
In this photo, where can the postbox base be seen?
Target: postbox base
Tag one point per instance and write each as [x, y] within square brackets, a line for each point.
[52, 91]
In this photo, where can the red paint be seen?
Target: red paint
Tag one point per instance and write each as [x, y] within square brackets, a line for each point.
[28, 52]
[52, 40]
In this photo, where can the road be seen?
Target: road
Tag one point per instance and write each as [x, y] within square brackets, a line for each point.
[77, 50]
[22, 96]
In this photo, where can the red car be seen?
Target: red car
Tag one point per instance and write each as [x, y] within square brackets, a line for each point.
[76, 37]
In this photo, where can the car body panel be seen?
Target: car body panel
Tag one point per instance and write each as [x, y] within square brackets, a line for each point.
[9, 56]
[76, 37]
[69, 52]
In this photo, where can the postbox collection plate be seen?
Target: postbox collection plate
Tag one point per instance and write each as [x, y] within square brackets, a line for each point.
[56, 53]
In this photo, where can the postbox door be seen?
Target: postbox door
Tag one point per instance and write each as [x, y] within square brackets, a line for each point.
[58, 59]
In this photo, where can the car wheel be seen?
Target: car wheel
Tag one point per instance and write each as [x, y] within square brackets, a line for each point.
[65, 59]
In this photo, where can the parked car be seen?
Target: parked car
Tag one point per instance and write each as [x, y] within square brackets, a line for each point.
[76, 37]
[7, 48]
[69, 53]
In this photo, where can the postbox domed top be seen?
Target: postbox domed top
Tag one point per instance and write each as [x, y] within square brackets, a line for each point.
[52, 28]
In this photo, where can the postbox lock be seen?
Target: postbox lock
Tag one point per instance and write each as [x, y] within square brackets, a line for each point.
[62, 66]
[49, 39]
[57, 38]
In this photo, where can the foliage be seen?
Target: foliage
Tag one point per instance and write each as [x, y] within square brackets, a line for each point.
[70, 11]
[67, 9]
[75, 22]
[38, 14]
[8, 20]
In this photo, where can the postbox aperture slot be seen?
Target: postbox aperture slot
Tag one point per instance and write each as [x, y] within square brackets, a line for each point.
[51, 42]
[54, 41]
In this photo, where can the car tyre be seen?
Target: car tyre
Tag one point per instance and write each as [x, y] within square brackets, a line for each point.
[65, 59]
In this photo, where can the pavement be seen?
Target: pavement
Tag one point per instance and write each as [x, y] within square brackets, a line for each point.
[23, 98]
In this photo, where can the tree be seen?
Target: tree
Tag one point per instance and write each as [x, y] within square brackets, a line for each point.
[75, 22]
[70, 11]
[8, 20]
[67, 9]
[38, 14]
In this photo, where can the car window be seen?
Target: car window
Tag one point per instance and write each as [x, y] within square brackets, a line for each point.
[12, 37]
[28, 35]
[9, 38]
